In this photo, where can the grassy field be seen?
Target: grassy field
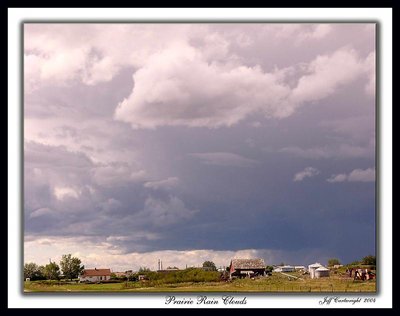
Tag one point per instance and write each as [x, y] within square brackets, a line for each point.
[277, 283]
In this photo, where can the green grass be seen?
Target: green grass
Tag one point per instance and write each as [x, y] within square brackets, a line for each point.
[277, 283]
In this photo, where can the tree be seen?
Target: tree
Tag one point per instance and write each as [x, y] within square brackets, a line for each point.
[369, 260]
[31, 270]
[52, 271]
[333, 261]
[144, 269]
[269, 269]
[71, 266]
[209, 266]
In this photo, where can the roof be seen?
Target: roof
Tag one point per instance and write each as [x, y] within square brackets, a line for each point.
[315, 265]
[322, 269]
[248, 263]
[96, 272]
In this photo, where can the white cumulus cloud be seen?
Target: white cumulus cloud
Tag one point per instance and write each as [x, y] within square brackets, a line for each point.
[308, 172]
[357, 175]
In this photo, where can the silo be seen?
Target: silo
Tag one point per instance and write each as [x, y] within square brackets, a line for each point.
[321, 272]
[312, 268]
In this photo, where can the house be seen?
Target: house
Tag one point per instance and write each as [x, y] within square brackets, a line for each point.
[95, 275]
[246, 268]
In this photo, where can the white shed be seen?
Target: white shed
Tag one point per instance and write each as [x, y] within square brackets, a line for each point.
[321, 272]
[312, 268]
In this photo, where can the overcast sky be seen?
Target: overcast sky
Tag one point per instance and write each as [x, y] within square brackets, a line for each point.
[194, 142]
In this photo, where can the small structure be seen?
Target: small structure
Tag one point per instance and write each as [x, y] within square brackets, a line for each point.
[337, 266]
[287, 269]
[142, 277]
[298, 268]
[321, 272]
[95, 275]
[246, 268]
[312, 268]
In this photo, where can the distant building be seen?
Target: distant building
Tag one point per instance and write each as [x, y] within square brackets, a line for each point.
[95, 275]
[321, 272]
[286, 268]
[142, 277]
[299, 268]
[246, 268]
[317, 270]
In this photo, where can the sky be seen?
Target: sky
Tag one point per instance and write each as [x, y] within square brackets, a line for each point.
[195, 142]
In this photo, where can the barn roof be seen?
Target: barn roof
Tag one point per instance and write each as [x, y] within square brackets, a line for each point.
[96, 272]
[248, 263]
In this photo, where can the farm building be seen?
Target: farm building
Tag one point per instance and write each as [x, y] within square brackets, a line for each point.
[312, 268]
[284, 269]
[321, 272]
[94, 275]
[287, 269]
[246, 268]
[299, 268]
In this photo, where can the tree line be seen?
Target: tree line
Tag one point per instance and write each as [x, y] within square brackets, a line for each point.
[69, 266]
[367, 260]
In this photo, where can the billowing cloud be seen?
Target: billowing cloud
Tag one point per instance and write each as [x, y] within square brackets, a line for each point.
[224, 159]
[180, 87]
[308, 172]
[357, 175]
